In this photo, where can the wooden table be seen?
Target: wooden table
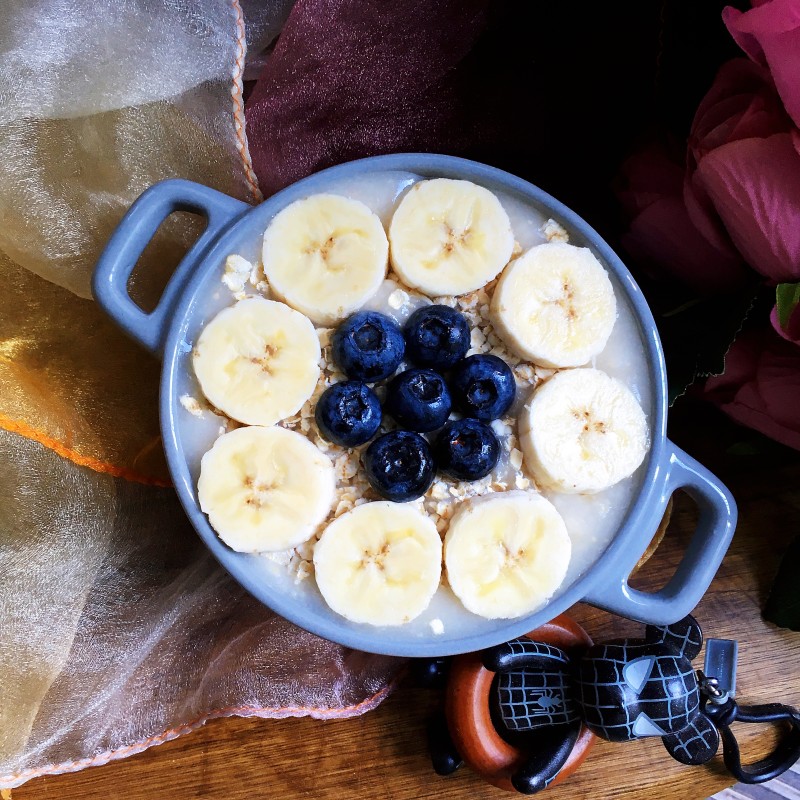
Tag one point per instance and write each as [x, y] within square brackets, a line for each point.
[383, 754]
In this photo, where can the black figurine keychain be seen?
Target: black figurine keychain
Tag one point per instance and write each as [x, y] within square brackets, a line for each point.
[542, 697]
[717, 683]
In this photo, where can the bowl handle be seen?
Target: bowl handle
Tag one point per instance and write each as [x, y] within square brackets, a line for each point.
[702, 558]
[110, 279]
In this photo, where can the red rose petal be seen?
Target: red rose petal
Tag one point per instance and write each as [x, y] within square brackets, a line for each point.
[663, 239]
[754, 185]
[770, 35]
[792, 330]
[761, 385]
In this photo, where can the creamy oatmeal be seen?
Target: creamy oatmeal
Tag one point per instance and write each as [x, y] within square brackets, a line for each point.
[591, 520]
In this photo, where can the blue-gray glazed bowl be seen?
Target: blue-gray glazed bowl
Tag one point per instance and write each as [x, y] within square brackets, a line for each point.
[185, 306]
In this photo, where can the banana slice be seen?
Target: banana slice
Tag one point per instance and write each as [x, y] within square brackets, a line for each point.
[379, 563]
[555, 305]
[449, 237]
[265, 489]
[258, 361]
[325, 256]
[506, 554]
[582, 431]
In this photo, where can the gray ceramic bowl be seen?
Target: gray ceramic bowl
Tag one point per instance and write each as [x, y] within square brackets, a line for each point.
[171, 328]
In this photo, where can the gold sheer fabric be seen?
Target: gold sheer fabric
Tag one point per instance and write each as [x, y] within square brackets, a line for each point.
[120, 630]
[117, 630]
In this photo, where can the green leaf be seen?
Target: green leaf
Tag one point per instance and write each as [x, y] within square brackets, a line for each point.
[783, 605]
[697, 333]
[787, 296]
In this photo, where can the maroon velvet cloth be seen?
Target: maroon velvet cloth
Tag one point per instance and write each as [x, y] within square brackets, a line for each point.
[535, 88]
[349, 78]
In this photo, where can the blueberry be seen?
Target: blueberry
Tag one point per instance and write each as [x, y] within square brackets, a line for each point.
[467, 449]
[348, 413]
[483, 387]
[418, 399]
[437, 337]
[399, 466]
[368, 346]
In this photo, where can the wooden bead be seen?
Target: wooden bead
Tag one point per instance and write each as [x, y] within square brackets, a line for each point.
[469, 719]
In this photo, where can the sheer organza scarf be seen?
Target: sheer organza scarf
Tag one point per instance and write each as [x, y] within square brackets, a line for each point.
[117, 630]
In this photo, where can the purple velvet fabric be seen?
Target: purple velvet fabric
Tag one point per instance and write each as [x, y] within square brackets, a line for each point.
[347, 79]
[530, 87]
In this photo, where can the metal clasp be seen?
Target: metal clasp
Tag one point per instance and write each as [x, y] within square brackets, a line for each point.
[710, 688]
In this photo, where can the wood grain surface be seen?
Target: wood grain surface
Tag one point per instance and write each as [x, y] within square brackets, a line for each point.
[383, 753]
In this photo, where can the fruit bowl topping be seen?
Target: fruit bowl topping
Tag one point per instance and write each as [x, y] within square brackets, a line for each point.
[258, 361]
[418, 399]
[466, 449]
[368, 346]
[436, 337]
[399, 466]
[449, 237]
[325, 256]
[379, 563]
[348, 413]
[483, 387]
[555, 305]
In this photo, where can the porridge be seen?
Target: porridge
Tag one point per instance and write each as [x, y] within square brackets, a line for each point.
[530, 471]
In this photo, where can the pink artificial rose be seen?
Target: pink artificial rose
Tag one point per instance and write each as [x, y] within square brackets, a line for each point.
[770, 35]
[761, 385]
[662, 238]
[741, 104]
[736, 201]
[754, 187]
[740, 195]
[743, 172]
[791, 330]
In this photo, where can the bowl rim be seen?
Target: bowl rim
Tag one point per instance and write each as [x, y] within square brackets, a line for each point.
[612, 563]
